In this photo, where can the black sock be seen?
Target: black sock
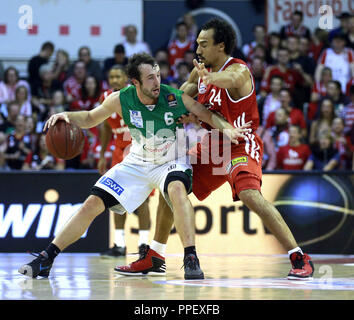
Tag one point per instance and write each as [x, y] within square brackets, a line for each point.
[52, 251]
[189, 250]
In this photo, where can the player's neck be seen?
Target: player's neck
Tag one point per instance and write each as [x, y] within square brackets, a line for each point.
[219, 63]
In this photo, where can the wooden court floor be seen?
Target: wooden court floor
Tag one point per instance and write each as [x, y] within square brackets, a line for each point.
[228, 277]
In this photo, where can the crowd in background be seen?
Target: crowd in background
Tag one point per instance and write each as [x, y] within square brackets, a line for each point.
[304, 83]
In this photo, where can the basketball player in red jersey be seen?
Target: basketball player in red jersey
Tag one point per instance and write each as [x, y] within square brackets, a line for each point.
[117, 80]
[226, 85]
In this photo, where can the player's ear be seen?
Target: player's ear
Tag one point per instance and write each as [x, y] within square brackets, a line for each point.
[135, 82]
[221, 46]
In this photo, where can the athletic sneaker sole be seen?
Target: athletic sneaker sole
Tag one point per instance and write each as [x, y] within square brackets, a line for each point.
[26, 270]
[142, 274]
[299, 278]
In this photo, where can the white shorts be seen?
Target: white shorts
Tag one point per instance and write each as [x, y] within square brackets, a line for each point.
[132, 180]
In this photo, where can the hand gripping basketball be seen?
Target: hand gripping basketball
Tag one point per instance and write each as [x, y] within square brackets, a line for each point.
[54, 118]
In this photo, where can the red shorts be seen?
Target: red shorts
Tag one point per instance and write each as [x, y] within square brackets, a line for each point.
[240, 166]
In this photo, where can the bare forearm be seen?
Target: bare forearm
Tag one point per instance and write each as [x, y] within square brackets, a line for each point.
[82, 119]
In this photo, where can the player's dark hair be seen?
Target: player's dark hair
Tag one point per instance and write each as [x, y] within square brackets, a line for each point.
[134, 63]
[223, 32]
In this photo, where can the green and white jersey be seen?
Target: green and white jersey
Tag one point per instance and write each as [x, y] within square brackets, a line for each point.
[156, 137]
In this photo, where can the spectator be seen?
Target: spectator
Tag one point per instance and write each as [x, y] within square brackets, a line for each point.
[324, 122]
[35, 62]
[295, 27]
[339, 58]
[269, 152]
[3, 147]
[90, 94]
[192, 28]
[161, 55]
[61, 67]
[341, 142]
[189, 56]
[119, 58]
[41, 159]
[323, 157]
[58, 102]
[257, 67]
[165, 73]
[272, 100]
[179, 46]
[344, 18]
[92, 66]
[272, 49]
[21, 97]
[259, 35]
[42, 95]
[182, 73]
[350, 34]
[295, 115]
[348, 113]
[72, 86]
[290, 76]
[279, 131]
[131, 44]
[319, 41]
[18, 145]
[339, 99]
[319, 90]
[294, 155]
[10, 84]
[298, 48]
[13, 110]
[30, 129]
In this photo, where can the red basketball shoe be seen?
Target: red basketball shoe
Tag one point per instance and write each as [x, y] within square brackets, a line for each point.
[150, 263]
[302, 267]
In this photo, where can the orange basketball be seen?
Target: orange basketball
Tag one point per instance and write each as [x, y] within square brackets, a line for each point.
[65, 140]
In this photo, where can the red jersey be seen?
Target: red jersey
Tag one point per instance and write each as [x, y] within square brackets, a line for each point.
[290, 77]
[120, 131]
[236, 112]
[177, 50]
[293, 158]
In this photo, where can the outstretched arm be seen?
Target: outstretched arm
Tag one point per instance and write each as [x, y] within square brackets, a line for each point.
[89, 119]
[214, 119]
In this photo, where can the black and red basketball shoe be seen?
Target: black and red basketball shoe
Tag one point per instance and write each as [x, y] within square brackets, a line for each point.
[302, 267]
[150, 263]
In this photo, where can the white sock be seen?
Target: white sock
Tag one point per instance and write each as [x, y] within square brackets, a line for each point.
[160, 248]
[119, 237]
[297, 249]
[143, 237]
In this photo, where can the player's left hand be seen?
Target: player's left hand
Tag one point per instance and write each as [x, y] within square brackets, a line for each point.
[238, 133]
[188, 118]
[203, 73]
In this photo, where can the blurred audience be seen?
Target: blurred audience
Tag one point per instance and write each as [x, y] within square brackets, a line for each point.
[131, 44]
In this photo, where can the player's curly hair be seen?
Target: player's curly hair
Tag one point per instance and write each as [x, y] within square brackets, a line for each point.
[223, 32]
[135, 61]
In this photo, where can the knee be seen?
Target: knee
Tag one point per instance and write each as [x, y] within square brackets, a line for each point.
[93, 206]
[176, 190]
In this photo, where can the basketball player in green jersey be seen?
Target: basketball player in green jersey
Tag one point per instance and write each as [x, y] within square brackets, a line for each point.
[157, 159]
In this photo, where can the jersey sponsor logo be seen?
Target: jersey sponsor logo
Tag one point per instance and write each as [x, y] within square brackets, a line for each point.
[136, 118]
[112, 185]
[171, 99]
[239, 161]
[202, 88]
